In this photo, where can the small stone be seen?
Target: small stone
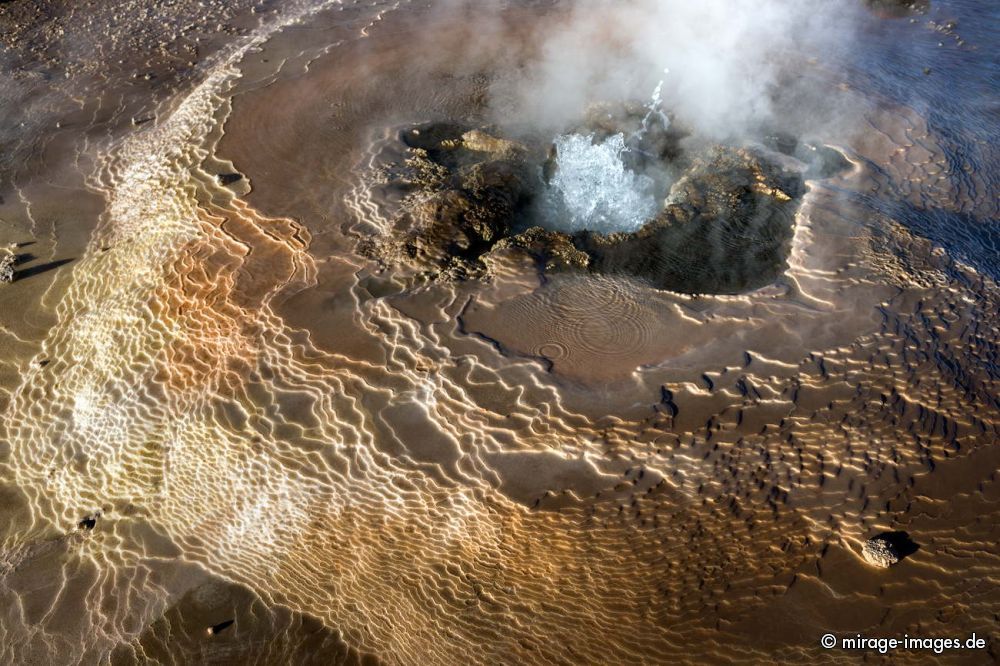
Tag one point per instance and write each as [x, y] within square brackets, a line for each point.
[219, 628]
[7, 262]
[880, 552]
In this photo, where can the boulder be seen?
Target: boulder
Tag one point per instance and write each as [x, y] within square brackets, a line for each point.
[880, 552]
[886, 549]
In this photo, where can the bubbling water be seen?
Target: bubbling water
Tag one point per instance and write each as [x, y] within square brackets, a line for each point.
[593, 189]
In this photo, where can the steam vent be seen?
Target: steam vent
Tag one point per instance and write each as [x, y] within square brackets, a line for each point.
[460, 332]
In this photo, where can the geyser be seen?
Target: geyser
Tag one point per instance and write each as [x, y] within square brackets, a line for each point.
[462, 202]
[592, 189]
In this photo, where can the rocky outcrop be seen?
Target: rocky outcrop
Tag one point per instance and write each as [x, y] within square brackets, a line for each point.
[726, 226]
[466, 188]
[552, 249]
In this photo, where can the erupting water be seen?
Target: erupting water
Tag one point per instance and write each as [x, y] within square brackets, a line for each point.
[655, 108]
[592, 189]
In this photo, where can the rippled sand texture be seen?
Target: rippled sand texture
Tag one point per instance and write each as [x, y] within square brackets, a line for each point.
[266, 428]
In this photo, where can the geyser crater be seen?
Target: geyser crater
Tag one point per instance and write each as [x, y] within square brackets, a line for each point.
[623, 193]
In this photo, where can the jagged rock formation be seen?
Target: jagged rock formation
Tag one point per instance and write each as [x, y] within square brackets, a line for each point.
[465, 190]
